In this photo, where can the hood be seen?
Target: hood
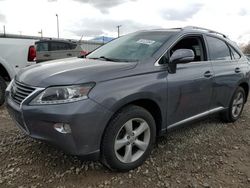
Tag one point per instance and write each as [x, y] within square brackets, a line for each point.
[73, 71]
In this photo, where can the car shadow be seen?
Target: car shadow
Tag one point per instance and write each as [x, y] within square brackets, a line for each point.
[60, 162]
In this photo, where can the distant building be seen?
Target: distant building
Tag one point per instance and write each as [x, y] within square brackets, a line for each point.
[102, 39]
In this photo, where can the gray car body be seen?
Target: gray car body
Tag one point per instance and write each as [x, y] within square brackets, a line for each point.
[173, 99]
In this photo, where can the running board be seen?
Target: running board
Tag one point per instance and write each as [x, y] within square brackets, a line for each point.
[196, 117]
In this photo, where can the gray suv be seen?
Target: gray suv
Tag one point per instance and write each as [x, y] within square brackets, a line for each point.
[112, 105]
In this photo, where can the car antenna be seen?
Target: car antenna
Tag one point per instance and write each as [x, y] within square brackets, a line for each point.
[81, 38]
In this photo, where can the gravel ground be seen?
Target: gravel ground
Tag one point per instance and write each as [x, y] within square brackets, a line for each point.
[205, 154]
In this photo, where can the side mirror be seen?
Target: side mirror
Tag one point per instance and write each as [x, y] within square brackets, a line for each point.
[180, 56]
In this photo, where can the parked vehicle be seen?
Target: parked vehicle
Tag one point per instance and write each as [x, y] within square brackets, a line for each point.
[15, 53]
[58, 49]
[112, 105]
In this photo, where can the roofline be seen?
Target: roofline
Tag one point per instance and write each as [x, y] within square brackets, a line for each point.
[204, 29]
[192, 28]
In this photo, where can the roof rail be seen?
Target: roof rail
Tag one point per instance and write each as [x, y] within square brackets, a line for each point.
[204, 29]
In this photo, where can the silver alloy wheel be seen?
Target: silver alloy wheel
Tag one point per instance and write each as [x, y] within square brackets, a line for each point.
[132, 140]
[237, 104]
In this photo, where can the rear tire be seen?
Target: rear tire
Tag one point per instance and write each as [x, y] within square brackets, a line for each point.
[2, 90]
[236, 106]
[128, 139]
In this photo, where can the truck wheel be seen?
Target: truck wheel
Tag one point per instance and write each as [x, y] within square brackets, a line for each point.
[2, 90]
[128, 139]
[236, 106]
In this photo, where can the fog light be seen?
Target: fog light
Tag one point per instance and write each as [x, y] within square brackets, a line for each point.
[63, 128]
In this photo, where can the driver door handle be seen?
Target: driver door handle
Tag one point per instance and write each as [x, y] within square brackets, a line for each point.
[237, 70]
[208, 74]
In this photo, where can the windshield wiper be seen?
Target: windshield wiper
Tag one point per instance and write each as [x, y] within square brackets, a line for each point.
[105, 58]
[113, 59]
[108, 59]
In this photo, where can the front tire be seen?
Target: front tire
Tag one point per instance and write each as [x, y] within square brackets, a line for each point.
[128, 139]
[2, 90]
[236, 106]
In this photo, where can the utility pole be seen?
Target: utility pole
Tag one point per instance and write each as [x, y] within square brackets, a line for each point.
[4, 32]
[118, 30]
[41, 33]
[57, 19]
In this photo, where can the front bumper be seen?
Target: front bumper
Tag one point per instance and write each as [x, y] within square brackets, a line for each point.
[86, 118]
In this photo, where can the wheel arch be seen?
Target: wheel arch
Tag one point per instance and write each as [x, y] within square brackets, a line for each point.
[4, 73]
[245, 86]
[150, 104]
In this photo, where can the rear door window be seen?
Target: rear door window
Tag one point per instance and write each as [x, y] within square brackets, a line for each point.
[42, 46]
[72, 46]
[218, 49]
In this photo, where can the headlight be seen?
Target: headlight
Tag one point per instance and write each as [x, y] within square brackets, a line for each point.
[63, 94]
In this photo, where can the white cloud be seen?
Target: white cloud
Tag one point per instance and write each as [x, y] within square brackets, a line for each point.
[103, 5]
[181, 14]
[97, 17]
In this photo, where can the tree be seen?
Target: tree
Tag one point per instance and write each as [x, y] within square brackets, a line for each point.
[246, 49]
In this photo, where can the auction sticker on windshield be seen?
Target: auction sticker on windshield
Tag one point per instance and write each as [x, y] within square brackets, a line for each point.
[146, 41]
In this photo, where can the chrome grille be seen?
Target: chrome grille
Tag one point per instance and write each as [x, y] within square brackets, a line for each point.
[20, 91]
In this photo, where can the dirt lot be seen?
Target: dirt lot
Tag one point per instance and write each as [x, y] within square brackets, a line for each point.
[206, 154]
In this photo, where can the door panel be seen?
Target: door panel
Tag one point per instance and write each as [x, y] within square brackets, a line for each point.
[189, 90]
[228, 70]
[227, 75]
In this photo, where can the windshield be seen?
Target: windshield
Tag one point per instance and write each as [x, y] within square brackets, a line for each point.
[132, 47]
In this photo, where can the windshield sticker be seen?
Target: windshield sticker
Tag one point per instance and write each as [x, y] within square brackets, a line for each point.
[145, 41]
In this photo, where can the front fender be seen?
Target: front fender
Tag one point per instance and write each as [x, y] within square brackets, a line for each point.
[114, 94]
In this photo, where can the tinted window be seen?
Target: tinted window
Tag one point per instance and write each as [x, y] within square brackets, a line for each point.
[218, 49]
[73, 46]
[192, 43]
[234, 53]
[59, 46]
[42, 46]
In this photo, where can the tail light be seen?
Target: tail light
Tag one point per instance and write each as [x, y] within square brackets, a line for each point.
[32, 53]
[84, 53]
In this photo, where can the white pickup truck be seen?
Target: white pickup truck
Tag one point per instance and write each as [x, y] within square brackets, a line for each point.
[15, 53]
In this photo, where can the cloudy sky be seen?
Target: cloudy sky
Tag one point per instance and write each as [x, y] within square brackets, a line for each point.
[92, 18]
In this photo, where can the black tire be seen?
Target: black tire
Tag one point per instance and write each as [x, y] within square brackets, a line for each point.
[2, 90]
[228, 116]
[109, 155]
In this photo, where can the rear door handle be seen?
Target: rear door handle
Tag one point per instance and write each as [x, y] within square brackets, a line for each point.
[46, 55]
[237, 70]
[69, 54]
[208, 74]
